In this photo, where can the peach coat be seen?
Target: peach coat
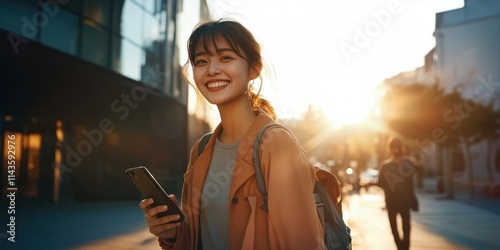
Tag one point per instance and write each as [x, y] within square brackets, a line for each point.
[292, 221]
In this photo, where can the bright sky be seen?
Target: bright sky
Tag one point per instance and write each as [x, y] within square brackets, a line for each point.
[333, 53]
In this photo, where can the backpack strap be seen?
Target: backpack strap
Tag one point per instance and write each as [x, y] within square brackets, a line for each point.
[203, 142]
[259, 177]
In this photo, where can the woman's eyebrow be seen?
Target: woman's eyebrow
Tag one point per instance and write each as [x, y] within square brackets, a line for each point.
[201, 53]
[224, 50]
[219, 51]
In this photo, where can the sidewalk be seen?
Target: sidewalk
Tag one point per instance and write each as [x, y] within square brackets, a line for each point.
[440, 224]
[100, 225]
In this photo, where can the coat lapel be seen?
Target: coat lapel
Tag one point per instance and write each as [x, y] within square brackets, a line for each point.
[243, 168]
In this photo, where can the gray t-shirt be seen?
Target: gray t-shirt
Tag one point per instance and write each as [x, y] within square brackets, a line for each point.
[214, 212]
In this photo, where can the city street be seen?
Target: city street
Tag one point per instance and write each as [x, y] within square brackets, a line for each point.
[440, 224]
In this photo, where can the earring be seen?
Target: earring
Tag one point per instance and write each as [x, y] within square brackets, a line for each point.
[250, 86]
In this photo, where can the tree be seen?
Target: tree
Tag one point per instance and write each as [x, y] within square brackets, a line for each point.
[487, 125]
[461, 117]
[413, 111]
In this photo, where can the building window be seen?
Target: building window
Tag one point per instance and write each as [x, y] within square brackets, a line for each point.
[98, 11]
[127, 58]
[25, 148]
[34, 142]
[497, 160]
[95, 44]
[151, 34]
[152, 6]
[20, 17]
[62, 32]
[458, 161]
[131, 25]
[74, 6]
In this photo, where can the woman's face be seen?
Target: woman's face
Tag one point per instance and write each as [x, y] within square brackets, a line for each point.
[222, 77]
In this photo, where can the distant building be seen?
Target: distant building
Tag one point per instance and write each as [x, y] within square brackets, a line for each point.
[89, 88]
[467, 47]
[468, 60]
[423, 75]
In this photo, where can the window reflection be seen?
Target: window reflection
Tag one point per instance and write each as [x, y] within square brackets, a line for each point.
[127, 36]
[131, 22]
[61, 32]
[73, 5]
[14, 15]
[127, 58]
[24, 149]
[151, 5]
[95, 44]
[99, 11]
[151, 32]
[34, 146]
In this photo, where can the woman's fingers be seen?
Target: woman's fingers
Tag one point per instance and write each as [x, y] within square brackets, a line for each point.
[152, 212]
[145, 204]
[168, 219]
[153, 219]
[159, 226]
[163, 229]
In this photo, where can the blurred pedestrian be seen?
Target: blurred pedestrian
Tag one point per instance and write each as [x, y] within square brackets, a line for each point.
[220, 197]
[396, 179]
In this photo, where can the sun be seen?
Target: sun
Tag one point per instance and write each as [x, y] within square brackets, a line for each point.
[347, 106]
[343, 115]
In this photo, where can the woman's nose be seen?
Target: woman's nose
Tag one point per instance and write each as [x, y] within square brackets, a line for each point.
[213, 68]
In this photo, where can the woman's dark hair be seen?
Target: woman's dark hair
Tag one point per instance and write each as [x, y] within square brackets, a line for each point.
[241, 41]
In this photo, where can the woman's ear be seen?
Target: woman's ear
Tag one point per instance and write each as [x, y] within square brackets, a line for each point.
[255, 71]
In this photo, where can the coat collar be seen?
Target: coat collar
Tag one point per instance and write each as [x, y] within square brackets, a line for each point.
[243, 169]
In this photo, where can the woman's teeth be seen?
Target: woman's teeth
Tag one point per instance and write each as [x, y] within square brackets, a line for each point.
[217, 84]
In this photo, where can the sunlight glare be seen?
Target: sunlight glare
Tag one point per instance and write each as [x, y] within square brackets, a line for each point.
[347, 110]
[346, 102]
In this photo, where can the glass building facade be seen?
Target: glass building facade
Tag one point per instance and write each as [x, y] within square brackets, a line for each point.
[89, 88]
[126, 36]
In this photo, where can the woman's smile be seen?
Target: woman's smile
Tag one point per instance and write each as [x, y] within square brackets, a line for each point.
[217, 85]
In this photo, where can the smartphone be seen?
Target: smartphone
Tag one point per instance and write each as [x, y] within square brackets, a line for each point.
[149, 188]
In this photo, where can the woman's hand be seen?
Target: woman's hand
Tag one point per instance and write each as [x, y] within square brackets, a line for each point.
[161, 227]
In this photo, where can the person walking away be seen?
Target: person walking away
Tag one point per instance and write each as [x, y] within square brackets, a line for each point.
[396, 179]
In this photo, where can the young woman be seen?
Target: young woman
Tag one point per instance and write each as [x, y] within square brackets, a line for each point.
[220, 197]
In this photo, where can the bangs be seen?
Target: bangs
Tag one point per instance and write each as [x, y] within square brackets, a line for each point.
[209, 35]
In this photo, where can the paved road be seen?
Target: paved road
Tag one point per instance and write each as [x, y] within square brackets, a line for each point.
[110, 225]
[441, 224]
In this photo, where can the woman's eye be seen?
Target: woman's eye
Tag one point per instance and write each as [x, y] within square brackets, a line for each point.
[226, 58]
[198, 62]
